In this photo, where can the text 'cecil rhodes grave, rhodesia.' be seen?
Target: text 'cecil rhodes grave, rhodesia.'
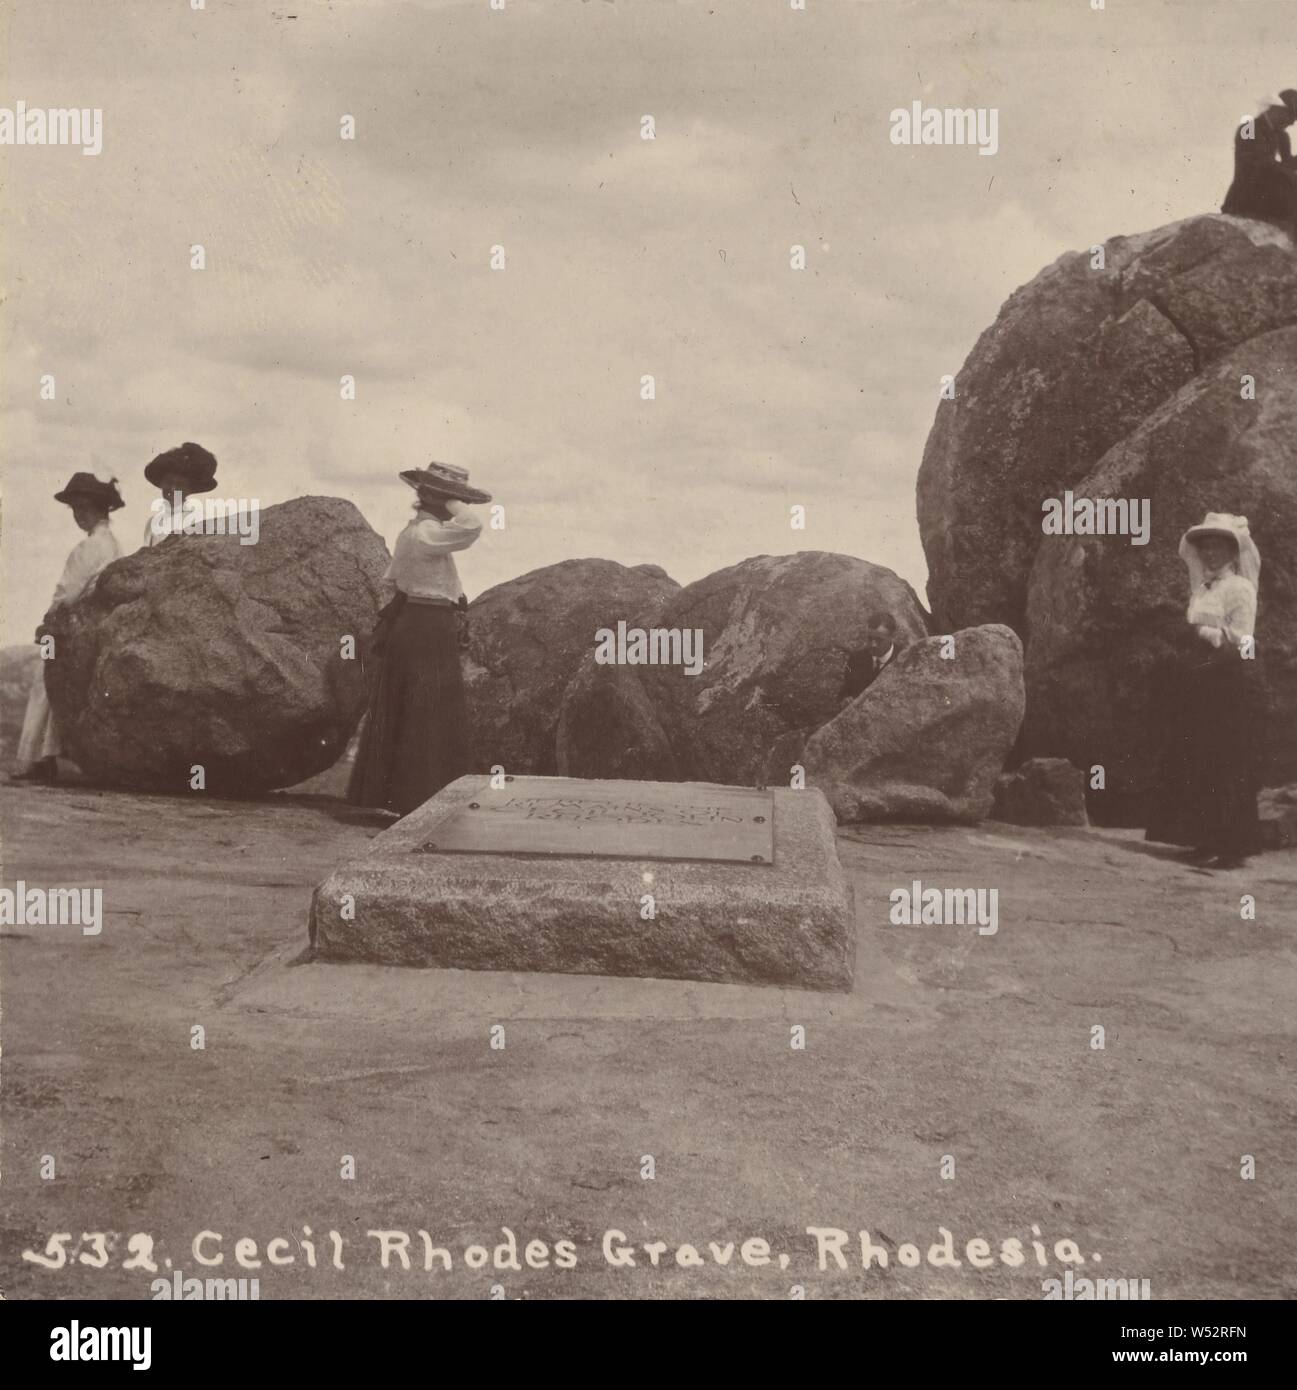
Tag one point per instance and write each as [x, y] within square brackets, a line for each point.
[680, 880]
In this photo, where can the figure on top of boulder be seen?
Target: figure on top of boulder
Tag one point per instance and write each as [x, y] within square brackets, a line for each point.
[91, 501]
[178, 473]
[1265, 171]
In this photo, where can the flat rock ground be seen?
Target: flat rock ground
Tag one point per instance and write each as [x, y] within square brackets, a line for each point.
[978, 1047]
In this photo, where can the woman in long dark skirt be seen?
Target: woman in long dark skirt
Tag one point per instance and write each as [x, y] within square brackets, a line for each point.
[1203, 702]
[415, 738]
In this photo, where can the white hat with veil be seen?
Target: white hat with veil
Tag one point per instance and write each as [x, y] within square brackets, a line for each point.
[1221, 524]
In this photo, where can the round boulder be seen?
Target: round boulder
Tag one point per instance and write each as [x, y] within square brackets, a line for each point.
[928, 738]
[607, 727]
[206, 652]
[776, 633]
[529, 637]
[1074, 363]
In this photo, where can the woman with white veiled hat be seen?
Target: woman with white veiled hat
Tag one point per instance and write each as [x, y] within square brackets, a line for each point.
[415, 738]
[1205, 794]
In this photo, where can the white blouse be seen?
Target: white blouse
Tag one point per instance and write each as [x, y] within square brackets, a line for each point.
[422, 564]
[88, 557]
[1226, 606]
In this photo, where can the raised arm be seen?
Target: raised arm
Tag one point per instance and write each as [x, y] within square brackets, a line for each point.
[463, 528]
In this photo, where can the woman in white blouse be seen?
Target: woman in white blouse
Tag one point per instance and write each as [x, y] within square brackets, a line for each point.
[1205, 796]
[415, 738]
[91, 501]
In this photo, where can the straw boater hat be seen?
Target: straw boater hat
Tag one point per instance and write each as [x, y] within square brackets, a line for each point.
[444, 480]
[85, 487]
[1221, 524]
[191, 461]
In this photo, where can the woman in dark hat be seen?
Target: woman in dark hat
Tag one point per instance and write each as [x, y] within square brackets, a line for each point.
[1202, 707]
[91, 502]
[415, 738]
[177, 474]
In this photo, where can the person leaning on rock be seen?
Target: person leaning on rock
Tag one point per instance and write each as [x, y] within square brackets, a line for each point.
[91, 501]
[863, 667]
[866, 664]
[415, 738]
[177, 474]
[1265, 172]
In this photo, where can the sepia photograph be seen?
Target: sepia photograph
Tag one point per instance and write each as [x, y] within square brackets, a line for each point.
[649, 654]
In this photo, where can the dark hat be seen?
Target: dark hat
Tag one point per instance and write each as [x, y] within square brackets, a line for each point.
[445, 480]
[85, 487]
[1289, 98]
[191, 461]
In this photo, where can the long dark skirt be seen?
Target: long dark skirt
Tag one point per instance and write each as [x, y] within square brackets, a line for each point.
[415, 738]
[1202, 716]
[1269, 194]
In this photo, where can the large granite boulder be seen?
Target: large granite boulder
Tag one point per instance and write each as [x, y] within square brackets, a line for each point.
[1101, 612]
[607, 727]
[528, 638]
[776, 633]
[1075, 362]
[928, 738]
[202, 650]
[18, 669]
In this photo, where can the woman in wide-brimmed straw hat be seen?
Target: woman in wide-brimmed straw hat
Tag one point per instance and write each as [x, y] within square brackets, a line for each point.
[415, 738]
[177, 473]
[1205, 792]
[91, 501]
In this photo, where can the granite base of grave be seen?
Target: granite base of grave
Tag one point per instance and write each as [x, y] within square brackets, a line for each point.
[669, 880]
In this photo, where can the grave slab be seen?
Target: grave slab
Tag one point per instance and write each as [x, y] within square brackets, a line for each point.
[554, 873]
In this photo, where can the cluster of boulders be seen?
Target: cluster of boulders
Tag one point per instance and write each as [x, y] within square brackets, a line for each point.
[774, 632]
[245, 662]
[1163, 369]
[1160, 367]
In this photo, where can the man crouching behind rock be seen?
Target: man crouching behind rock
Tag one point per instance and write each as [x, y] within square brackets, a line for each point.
[415, 739]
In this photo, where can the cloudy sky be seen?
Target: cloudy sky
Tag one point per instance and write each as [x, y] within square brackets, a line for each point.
[521, 128]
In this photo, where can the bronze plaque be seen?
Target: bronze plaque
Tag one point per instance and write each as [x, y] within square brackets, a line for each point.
[613, 820]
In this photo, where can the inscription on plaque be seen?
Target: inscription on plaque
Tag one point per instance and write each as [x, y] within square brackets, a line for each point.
[614, 820]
